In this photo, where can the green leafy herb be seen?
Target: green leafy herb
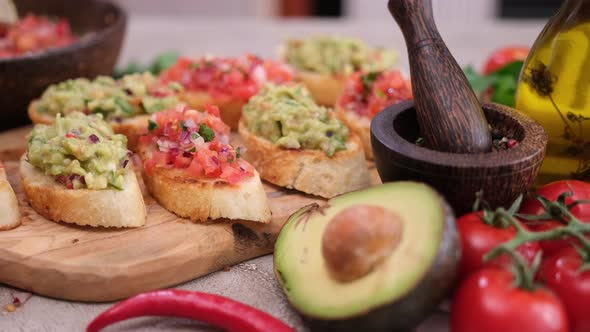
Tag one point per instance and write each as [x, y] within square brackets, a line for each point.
[368, 80]
[152, 125]
[238, 152]
[184, 127]
[160, 63]
[207, 133]
[194, 136]
[502, 83]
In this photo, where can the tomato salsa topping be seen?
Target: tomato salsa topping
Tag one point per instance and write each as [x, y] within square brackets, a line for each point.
[227, 78]
[369, 93]
[196, 142]
[34, 33]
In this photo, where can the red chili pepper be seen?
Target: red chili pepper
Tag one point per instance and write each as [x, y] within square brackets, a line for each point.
[215, 310]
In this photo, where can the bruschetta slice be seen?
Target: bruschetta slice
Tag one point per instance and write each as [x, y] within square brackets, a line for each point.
[226, 82]
[126, 103]
[367, 94]
[191, 169]
[295, 143]
[78, 171]
[9, 211]
[324, 63]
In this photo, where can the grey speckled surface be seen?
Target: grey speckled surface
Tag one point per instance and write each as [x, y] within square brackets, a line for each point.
[251, 282]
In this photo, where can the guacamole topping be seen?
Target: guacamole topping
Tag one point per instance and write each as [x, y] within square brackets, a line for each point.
[79, 151]
[116, 99]
[290, 118]
[331, 55]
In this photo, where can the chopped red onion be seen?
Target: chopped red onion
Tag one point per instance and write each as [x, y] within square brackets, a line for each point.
[125, 163]
[93, 138]
[190, 123]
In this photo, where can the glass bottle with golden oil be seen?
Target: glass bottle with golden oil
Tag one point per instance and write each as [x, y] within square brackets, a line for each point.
[554, 89]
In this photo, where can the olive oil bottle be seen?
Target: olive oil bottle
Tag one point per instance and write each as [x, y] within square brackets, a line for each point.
[554, 89]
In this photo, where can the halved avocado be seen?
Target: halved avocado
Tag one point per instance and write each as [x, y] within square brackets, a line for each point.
[379, 259]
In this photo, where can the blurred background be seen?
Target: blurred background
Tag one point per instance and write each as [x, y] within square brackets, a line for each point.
[471, 28]
[355, 9]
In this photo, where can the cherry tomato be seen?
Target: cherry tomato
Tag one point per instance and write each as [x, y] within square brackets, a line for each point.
[551, 191]
[488, 301]
[479, 238]
[561, 273]
[504, 56]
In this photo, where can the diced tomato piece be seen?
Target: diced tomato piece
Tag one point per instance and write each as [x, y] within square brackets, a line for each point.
[195, 169]
[182, 162]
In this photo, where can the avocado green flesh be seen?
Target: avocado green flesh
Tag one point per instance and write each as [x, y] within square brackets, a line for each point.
[302, 270]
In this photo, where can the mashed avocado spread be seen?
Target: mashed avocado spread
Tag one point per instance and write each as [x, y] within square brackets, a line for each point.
[116, 99]
[79, 151]
[290, 118]
[331, 55]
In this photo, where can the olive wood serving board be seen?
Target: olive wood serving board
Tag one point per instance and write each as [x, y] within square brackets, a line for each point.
[98, 264]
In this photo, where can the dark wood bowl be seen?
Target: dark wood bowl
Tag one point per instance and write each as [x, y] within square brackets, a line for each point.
[23, 78]
[502, 175]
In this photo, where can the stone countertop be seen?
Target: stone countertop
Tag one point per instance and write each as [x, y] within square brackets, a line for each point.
[251, 282]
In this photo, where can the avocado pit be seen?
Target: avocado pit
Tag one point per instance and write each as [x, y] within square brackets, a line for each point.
[358, 239]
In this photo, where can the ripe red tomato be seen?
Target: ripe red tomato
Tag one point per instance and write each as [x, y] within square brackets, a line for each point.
[561, 273]
[551, 191]
[479, 238]
[488, 302]
[504, 56]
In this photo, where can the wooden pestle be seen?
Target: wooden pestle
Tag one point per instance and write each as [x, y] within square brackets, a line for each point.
[450, 116]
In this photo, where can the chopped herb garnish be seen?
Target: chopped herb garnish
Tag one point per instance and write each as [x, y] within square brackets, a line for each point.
[238, 152]
[207, 133]
[152, 125]
[184, 127]
[379, 93]
[193, 149]
[368, 80]
[194, 136]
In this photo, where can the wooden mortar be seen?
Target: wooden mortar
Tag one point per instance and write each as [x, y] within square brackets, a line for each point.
[502, 175]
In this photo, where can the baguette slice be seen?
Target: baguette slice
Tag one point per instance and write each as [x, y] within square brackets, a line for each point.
[230, 110]
[324, 88]
[309, 171]
[359, 125]
[204, 200]
[9, 212]
[133, 127]
[107, 208]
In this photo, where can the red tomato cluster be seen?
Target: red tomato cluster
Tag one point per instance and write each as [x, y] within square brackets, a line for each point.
[487, 299]
[369, 93]
[34, 33]
[196, 142]
[227, 78]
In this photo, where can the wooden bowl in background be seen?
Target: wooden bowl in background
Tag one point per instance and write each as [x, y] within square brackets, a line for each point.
[502, 175]
[101, 26]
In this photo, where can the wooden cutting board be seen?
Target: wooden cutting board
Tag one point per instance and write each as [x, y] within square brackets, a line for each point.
[98, 264]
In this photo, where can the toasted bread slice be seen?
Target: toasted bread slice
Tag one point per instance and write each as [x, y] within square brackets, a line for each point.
[107, 207]
[204, 200]
[230, 110]
[133, 127]
[359, 125]
[309, 171]
[9, 211]
[324, 88]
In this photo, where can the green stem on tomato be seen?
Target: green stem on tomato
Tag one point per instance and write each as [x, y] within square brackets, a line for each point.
[525, 275]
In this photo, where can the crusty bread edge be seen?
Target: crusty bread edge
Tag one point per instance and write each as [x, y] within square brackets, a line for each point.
[202, 201]
[11, 217]
[230, 110]
[359, 125]
[106, 208]
[309, 171]
[324, 88]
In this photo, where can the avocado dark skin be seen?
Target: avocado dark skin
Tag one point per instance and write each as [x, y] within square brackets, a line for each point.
[406, 313]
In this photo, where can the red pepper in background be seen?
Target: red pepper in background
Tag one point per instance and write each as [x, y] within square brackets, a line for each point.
[216, 310]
